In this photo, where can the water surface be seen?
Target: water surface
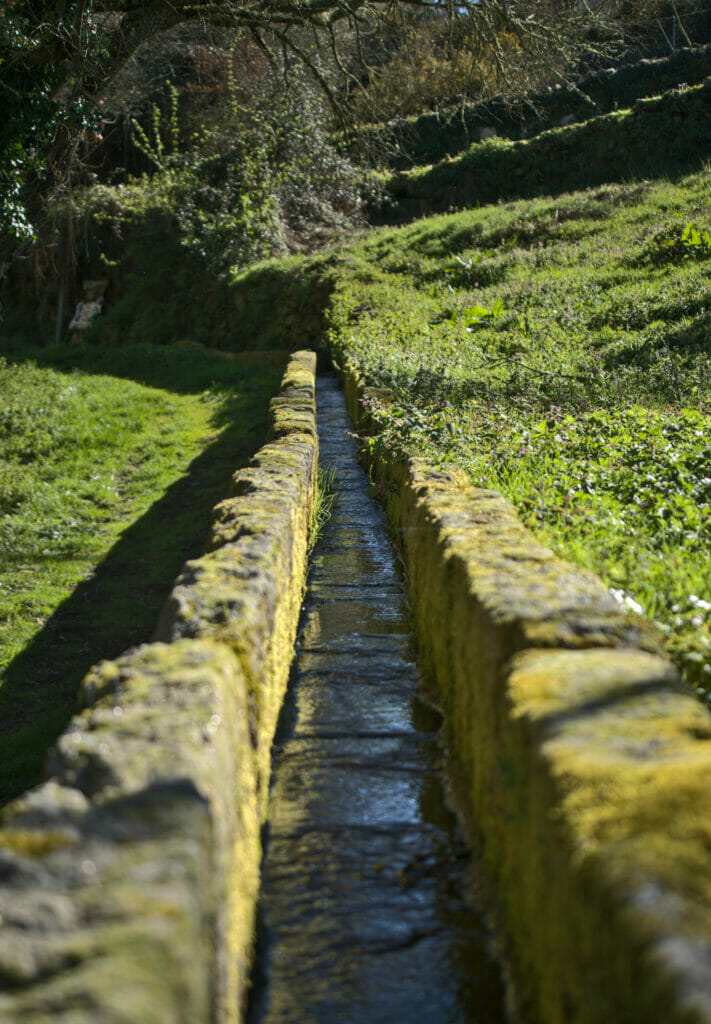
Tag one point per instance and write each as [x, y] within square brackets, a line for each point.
[363, 917]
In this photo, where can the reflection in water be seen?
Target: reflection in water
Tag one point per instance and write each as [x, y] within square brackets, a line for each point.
[363, 919]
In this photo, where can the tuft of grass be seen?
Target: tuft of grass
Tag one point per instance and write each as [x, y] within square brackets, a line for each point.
[110, 461]
[325, 501]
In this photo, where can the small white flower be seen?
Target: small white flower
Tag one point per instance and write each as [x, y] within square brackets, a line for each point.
[626, 601]
[698, 602]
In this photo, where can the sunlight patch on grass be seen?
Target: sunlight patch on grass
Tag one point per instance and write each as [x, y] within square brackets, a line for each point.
[106, 486]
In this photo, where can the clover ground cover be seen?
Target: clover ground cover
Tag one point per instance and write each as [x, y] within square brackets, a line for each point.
[558, 350]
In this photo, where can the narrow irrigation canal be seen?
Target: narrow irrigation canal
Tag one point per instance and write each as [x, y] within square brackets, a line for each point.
[363, 918]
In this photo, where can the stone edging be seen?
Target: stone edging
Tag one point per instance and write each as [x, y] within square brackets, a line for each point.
[128, 880]
[583, 765]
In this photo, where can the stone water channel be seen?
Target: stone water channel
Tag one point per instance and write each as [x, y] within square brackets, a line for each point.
[363, 917]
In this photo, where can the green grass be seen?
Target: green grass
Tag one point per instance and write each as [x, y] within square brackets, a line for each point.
[110, 461]
[558, 350]
[666, 135]
[435, 135]
[325, 501]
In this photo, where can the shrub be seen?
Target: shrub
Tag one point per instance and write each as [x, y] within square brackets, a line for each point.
[261, 178]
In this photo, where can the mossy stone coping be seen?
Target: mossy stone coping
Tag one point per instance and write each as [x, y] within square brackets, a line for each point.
[581, 763]
[128, 880]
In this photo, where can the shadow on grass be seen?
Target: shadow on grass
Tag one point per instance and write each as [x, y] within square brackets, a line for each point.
[679, 352]
[118, 605]
[621, 146]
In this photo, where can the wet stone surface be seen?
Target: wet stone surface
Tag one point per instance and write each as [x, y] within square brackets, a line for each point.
[363, 918]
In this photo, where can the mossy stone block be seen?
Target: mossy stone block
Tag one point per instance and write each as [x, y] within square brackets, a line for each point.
[129, 879]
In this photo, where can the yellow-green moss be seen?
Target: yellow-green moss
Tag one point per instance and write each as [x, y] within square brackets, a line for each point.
[35, 843]
[300, 372]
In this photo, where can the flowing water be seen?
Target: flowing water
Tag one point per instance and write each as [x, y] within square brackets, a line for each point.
[363, 917]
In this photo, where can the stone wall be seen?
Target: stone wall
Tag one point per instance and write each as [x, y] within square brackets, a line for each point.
[584, 766]
[128, 880]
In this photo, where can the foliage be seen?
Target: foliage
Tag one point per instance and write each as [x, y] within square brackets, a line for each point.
[325, 501]
[634, 483]
[587, 400]
[58, 61]
[38, 119]
[150, 142]
[259, 176]
[446, 131]
[676, 241]
[174, 241]
[98, 450]
[429, 64]
[219, 206]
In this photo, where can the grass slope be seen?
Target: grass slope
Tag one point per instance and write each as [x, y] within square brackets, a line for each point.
[558, 350]
[436, 135]
[110, 461]
[663, 136]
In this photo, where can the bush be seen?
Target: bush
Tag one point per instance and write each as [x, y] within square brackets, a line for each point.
[260, 179]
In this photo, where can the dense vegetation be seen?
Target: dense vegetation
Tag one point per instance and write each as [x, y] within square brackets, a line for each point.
[109, 464]
[558, 350]
[432, 136]
[59, 64]
[624, 145]
[552, 337]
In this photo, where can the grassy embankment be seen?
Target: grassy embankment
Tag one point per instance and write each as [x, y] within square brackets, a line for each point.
[558, 350]
[660, 136]
[435, 135]
[110, 460]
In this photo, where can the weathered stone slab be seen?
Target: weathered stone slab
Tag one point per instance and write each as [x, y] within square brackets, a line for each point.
[293, 410]
[118, 874]
[246, 591]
